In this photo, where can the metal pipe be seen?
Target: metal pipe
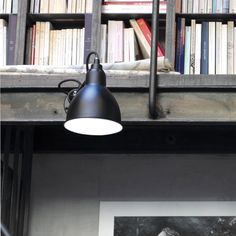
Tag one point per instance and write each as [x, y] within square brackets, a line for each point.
[153, 63]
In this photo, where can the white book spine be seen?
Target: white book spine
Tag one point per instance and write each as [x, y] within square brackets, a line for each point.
[36, 6]
[230, 47]
[190, 6]
[218, 47]
[119, 50]
[187, 50]
[232, 6]
[209, 6]
[132, 44]
[219, 8]
[212, 48]
[224, 49]
[82, 46]
[235, 50]
[78, 47]
[225, 6]
[14, 6]
[8, 5]
[2, 25]
[46, 43]
[184, 6]
[1, 6]
[198, 49]
[202, 6]
[195, 6]
[4, 45]
[126, 45]
[110, 42]
[37, 43]
[74, 45]
[193, 47]
[103, 43]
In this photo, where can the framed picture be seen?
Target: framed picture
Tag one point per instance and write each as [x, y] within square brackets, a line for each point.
[182, 218]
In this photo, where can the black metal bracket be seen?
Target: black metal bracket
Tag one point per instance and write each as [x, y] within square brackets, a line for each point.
[153, 61]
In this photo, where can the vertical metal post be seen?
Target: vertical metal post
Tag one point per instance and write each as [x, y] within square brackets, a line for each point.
[153, 63]
[5, 178]
[14, 200]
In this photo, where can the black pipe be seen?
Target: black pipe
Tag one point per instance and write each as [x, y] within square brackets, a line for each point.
[153, 63]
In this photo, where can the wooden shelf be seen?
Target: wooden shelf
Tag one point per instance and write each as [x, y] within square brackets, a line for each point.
[4, 16]
[206, 16]
[121, 80]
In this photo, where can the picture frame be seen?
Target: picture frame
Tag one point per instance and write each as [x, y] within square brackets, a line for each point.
[109, 210]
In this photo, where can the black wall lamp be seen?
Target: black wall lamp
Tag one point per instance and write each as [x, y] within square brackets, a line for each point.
[92, 109]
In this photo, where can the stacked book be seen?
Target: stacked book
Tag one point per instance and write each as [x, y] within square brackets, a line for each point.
[206, 48]
[46, 46]
[119, 44]
[3, 42]
[206, 6]
[131, 6]
[61, 6]
[8, 6]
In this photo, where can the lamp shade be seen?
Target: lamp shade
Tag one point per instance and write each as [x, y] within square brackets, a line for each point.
[94, 110]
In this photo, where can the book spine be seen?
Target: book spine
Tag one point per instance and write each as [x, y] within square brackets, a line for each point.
[190, 6]
[232, 7]
[225, 6]
[1, 6]
[209, 6]
[28, 46]
[219, 6]
[214, 6]
[180, 45]
[103, 43]
[198, 49]
[37, 43]
[224, 49]
[212, 57]
[146, 30]
[184, 6]
[11, 35]
[192, 46]
[178, 6]
[230, 47]
[14, 6]
[204, 48]
[119, 50]
[2, 42]
[32, 57]
[88, 35]
[195, 6]
[218, 55]
[187, 50]
[235, 50]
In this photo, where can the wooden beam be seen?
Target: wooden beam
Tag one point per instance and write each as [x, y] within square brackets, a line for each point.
[120, 79]
[175, 107]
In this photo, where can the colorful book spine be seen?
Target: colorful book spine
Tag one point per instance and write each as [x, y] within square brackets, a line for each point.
[146, 30]
[204, 48]
[180, 45]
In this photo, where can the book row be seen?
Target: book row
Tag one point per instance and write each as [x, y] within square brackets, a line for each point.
[205, 6]
[8, 6]
[206, 48]
[7, 40]
[120, 44]
[125, 7]
[61, 6]
[46, 46]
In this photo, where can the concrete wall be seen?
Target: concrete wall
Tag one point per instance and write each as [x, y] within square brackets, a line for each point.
[67, 189]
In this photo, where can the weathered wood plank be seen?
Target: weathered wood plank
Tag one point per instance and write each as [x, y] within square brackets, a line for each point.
[120, 80]
[176, 107]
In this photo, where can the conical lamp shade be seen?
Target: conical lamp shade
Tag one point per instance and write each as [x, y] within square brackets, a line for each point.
[94, 111]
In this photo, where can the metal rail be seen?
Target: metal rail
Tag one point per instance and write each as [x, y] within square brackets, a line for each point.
[153, 63]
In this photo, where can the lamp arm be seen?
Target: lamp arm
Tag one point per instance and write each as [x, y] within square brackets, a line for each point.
[153, 61]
